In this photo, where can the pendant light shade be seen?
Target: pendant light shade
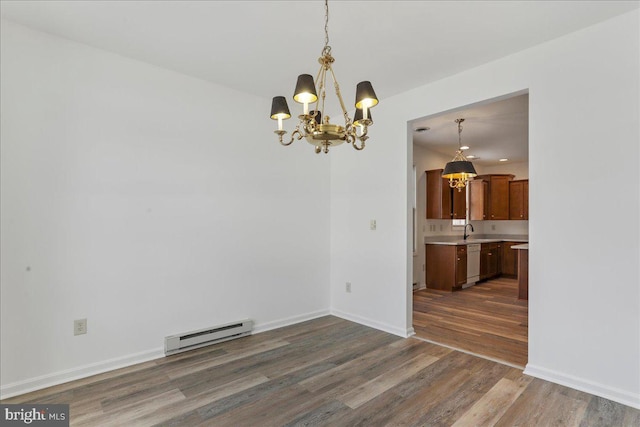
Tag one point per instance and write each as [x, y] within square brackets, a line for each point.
[358, 120]
[462, 169]
[365, 96]
[279, 108]
[305, 90]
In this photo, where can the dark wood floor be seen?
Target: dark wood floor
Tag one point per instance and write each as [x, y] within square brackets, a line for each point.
[486, 319]
[327, 372]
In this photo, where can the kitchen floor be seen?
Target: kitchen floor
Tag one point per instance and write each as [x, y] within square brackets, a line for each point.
[486, 319]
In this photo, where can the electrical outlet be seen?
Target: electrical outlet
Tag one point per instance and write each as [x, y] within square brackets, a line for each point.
[372, 224]
[493, 227]
[347, 287]
[80, 327]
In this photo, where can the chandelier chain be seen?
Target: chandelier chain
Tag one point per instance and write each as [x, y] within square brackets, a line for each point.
[459, 122]
[326, 23]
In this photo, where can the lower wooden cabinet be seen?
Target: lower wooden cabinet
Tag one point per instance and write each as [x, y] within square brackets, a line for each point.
[489, 261]
[523, 273]
[446, 267]
[510, 259]
[461, 266]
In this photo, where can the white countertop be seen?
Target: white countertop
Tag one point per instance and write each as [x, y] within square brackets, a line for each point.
[457, 240]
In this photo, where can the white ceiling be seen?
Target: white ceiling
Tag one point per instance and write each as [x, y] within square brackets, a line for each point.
[260, 47]
[492, 130]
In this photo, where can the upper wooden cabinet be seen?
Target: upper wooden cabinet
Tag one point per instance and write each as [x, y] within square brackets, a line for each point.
[478, 200]
[438, 196]
[459, 200]
[497, 205]
[444, 202]
[499, 196]
[519, 199]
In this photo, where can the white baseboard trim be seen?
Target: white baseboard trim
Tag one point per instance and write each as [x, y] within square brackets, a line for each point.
[611, 393]
[275, 324]
[404, 333]
[57, 378]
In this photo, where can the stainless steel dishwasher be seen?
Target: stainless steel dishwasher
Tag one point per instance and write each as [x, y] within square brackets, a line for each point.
[473, 264]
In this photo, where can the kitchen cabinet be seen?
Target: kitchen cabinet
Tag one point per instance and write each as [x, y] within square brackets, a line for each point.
[461, 266]
[459, 203]
[488, 261]
[446, 267]
[438, 195]
[478, 200]
[444, 202]
[498, 196]
[509, 259]
[523, 273]
[519, 199]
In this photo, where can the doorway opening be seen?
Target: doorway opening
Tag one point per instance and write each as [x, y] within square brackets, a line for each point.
[484, 316]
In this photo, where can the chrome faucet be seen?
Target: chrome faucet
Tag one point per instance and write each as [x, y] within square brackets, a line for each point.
[465, 230]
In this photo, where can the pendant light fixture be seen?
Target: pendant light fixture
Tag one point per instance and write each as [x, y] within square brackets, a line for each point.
[459, 170]
[315, 125]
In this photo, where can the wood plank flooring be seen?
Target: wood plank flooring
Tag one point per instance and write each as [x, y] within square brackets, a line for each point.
[326, 372]
[486, 319]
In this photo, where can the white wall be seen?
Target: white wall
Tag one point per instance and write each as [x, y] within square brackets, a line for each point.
[584, 318]
[149, 203]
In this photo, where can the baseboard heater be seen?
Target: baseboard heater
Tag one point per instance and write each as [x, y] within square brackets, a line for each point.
[203, 337]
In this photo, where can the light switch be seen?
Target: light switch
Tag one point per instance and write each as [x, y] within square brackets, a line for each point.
[372, 224]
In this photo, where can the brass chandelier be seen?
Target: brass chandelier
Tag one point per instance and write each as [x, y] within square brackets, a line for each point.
[314, 125]
[459, 170]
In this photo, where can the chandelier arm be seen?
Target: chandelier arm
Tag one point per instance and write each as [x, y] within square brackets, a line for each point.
[307, 125]
[295, 134]
[355, 145]
[349, 136]
[363, 136]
